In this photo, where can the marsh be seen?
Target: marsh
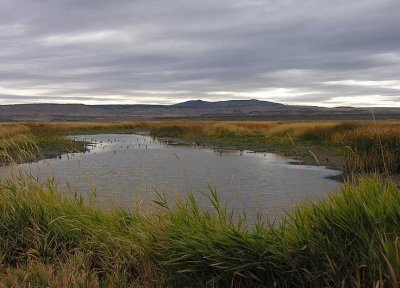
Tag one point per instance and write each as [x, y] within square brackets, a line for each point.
[127, 170]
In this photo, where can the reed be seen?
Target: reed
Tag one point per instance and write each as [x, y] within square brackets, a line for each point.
[366, 146]
[349, 239]
[23, 142]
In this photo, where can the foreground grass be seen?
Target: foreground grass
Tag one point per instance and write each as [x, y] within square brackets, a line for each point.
[350, 239]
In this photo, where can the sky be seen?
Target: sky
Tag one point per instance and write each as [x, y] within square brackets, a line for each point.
[309, 52]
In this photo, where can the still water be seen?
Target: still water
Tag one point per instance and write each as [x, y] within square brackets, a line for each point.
[126, 170]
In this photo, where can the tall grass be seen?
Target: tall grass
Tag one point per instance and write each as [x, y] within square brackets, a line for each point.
[350, 239]
[47, 139]
[366, 146]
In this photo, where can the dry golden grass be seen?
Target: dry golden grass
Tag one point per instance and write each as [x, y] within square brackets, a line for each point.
[15, 132]
[368, 146]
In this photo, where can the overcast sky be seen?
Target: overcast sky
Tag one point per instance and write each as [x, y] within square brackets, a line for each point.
[311, 52]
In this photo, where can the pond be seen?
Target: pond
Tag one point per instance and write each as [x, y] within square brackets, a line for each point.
[126, 170]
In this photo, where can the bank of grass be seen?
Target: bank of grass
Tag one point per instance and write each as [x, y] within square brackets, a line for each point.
[351, 239]
[366, 146]
[47, 139]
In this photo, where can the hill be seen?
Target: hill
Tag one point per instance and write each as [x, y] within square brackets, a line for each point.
[194, 109]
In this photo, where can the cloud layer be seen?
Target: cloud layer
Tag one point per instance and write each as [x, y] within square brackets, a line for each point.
[317, 52]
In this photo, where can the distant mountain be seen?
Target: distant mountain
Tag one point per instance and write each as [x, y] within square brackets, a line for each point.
[193, 104]
[228, 103]
[194, 109]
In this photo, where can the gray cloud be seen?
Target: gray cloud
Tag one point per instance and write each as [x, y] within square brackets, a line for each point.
[170, 51]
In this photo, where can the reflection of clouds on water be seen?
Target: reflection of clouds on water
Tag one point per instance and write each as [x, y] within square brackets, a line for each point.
[128, 169]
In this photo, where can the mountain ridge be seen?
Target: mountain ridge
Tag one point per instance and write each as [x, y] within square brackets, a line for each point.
[192, 109]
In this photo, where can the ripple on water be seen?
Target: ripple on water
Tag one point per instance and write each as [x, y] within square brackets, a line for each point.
[125, 169]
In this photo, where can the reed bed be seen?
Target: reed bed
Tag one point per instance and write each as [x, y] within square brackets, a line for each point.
[350, 239]
[46, 140]
[366, 146]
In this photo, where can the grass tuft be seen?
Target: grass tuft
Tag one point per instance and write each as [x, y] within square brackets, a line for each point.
[349, 239]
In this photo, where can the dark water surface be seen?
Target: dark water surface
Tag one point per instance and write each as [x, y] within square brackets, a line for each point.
[125, 170]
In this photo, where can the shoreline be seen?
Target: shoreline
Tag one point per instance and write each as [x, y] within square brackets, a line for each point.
[43, 153]
[299, 154]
